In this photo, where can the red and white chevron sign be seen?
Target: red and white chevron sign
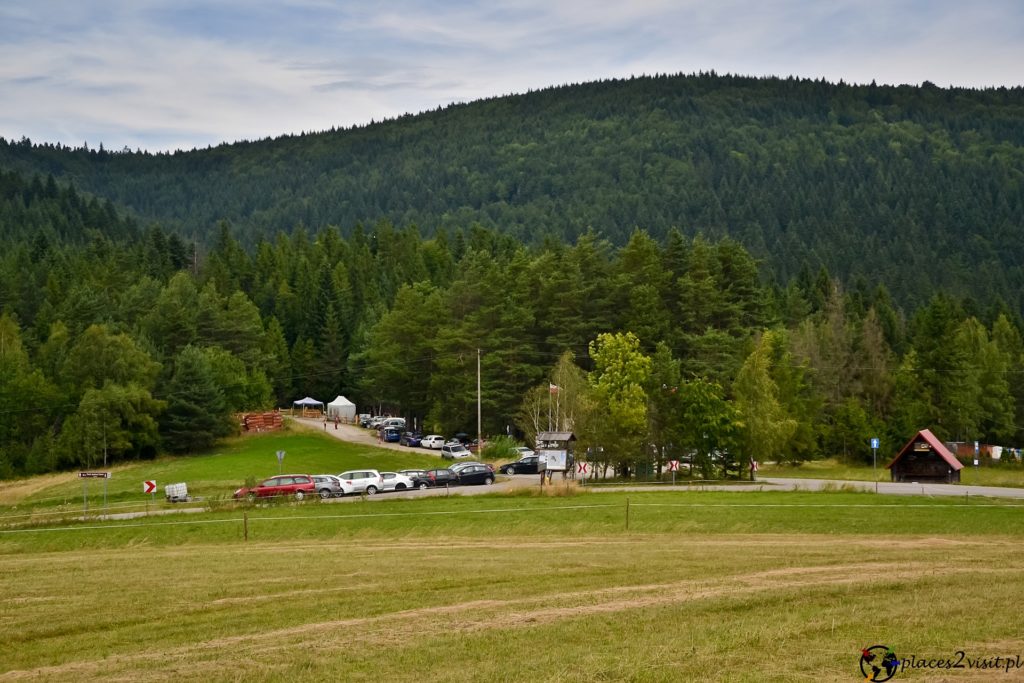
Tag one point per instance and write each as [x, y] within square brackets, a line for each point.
[148, 486]
[583, 468]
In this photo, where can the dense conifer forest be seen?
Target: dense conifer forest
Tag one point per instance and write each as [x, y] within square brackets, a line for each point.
[919, 188]
[766, 268]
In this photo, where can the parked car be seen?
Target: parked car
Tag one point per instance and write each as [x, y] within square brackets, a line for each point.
[476, 474]
[442, 477]
[524, 451]
[411, 439]
[330, 486]
[363, 481]
[527, 465]
[297, 485]
[395, 481]
[390, 435]
[459, 466]
[376, 422]
[394, 423]
[364, 419]
[454, 451]
[432, 441]
[419, 478]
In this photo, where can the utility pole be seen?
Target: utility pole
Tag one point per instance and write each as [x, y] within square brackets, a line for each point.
[479, 438]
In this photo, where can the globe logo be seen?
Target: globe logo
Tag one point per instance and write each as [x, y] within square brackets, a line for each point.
[878, 663]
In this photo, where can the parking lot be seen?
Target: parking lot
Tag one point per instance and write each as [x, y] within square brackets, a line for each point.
[356, 434]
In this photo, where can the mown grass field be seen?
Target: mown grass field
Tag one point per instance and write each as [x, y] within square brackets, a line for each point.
[751, 586]
[581, 586]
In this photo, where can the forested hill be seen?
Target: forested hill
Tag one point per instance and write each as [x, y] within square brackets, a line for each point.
[920, 188]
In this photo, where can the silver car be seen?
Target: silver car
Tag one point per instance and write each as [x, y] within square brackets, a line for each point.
[330, 486]
[454, 451]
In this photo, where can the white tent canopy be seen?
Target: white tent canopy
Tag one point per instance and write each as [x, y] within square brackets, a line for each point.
[342, 408]
[308, 402]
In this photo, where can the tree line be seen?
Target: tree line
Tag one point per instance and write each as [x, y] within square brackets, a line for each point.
[123, 344]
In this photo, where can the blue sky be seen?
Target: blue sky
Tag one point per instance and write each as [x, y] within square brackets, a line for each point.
[177, 74]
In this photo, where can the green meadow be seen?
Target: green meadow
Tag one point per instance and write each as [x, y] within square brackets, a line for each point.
[566, 586]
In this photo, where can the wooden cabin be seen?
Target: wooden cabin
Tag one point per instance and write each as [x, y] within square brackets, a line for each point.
[925, 459]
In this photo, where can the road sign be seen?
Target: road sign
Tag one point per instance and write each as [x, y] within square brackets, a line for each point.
[280, 457]
[977, 448]
[149, 486]
[874, 442]
[583, 468]
[673, 465]
[94, 475]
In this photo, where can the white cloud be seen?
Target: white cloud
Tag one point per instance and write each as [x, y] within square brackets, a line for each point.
[161, 74]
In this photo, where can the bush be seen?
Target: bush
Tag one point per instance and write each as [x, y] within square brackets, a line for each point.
[500, 448]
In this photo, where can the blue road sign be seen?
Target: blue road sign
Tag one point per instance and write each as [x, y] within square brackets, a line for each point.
[874, 442]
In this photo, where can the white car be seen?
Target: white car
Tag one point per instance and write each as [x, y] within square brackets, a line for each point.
[363, 481]
[525, 451]
[395, 481]
[432, 441]
[454, 451]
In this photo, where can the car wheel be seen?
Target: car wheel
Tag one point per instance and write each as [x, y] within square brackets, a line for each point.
[299, 495]
[325, 493]
[510, 470]
[400, 487]
[422, 486]
[371, 490]
[488, 481]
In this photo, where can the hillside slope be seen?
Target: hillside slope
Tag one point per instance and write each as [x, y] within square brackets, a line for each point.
[920, 188]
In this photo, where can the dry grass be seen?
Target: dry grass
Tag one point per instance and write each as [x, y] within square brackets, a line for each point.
[626, 607]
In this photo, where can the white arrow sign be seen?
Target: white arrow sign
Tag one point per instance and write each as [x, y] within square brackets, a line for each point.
[148, 486]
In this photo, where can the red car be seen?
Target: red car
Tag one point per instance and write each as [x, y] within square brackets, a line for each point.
[297, 485]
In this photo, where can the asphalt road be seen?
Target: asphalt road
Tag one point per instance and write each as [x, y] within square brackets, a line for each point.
[359, 435]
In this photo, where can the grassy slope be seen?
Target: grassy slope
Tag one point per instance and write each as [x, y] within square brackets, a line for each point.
[219, 473]
[702, 585]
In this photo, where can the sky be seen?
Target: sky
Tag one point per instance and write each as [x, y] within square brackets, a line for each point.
[162, 75]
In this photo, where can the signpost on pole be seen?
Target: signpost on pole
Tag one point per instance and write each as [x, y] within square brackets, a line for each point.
[85, 477]
[280, 459]
[673, 465]
[584, 469]
[977, 452]
[874, 461]
[149, 486]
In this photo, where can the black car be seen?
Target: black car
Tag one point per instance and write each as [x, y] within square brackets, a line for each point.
[476, 474]
[527, 465]
[420, 480]
[442, 477]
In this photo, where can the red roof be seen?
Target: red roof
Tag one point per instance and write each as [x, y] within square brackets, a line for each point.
[937, 446]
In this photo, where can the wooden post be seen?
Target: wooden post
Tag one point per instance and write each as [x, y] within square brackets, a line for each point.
[627, 513]
[245, 525]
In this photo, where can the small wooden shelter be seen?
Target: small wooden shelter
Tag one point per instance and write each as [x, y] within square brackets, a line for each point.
[925, 458]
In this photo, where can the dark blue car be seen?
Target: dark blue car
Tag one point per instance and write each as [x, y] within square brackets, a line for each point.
[392, 435]
[411, 439]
